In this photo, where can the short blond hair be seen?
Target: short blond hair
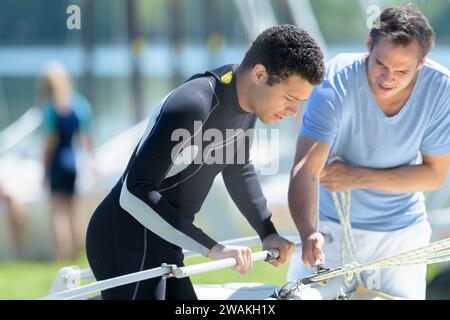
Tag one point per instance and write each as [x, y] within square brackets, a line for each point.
[56, 85]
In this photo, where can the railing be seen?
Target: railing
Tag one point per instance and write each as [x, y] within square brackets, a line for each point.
[67, 282]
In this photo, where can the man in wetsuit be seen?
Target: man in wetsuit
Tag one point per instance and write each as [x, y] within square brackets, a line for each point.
[147, 218]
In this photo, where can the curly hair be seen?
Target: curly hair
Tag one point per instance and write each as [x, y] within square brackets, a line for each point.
[287, 50]
[401, 25]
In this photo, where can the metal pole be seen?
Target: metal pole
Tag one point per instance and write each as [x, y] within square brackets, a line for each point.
[88, 50]
[136, 44]
[175, 32]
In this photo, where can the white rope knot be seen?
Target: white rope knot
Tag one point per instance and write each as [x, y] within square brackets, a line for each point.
[350, 275]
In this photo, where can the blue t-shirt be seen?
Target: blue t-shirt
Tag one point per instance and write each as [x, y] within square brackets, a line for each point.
[343, 113]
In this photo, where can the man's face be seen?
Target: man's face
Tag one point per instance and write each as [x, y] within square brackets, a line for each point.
[392, 68]
[274, 103]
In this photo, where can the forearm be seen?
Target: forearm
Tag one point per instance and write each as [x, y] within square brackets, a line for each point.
[405, 179]
[302, 204]
[49, 147]
[310, 159]
[46, 164]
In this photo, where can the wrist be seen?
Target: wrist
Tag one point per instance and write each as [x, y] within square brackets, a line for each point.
[275, 234]
[267, 230]
[362, 178]
[306, 232]
[215, 248]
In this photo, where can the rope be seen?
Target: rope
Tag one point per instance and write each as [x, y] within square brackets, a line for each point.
[435, 252]
[342, 204]
[347, 239]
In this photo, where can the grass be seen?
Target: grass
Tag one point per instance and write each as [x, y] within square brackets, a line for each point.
[33, 279]
[30, 279]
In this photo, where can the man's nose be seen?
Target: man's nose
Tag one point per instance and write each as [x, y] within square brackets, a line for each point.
[387, 77]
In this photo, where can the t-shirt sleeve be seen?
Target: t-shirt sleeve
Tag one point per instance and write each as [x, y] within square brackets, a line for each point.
[50, 119]
[436, 140]
[322, 116]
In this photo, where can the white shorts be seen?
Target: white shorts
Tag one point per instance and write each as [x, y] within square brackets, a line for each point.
[405, 282]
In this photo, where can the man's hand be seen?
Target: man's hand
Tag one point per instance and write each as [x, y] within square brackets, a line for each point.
[340, 177]
[284, 246]
[312, 249]
[243, 256]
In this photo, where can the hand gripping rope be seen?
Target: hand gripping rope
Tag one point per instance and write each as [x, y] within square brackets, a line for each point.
[435, 252]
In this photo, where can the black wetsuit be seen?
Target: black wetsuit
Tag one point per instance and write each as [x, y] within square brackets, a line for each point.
[147, 218]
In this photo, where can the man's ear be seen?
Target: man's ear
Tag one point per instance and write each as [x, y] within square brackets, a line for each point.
[422, 61]
[259, 74]
[369, 43]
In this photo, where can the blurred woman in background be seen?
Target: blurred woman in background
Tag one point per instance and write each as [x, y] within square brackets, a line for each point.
[66, 121]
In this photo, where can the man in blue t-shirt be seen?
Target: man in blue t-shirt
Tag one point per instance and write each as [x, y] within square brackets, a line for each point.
[385, 115]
